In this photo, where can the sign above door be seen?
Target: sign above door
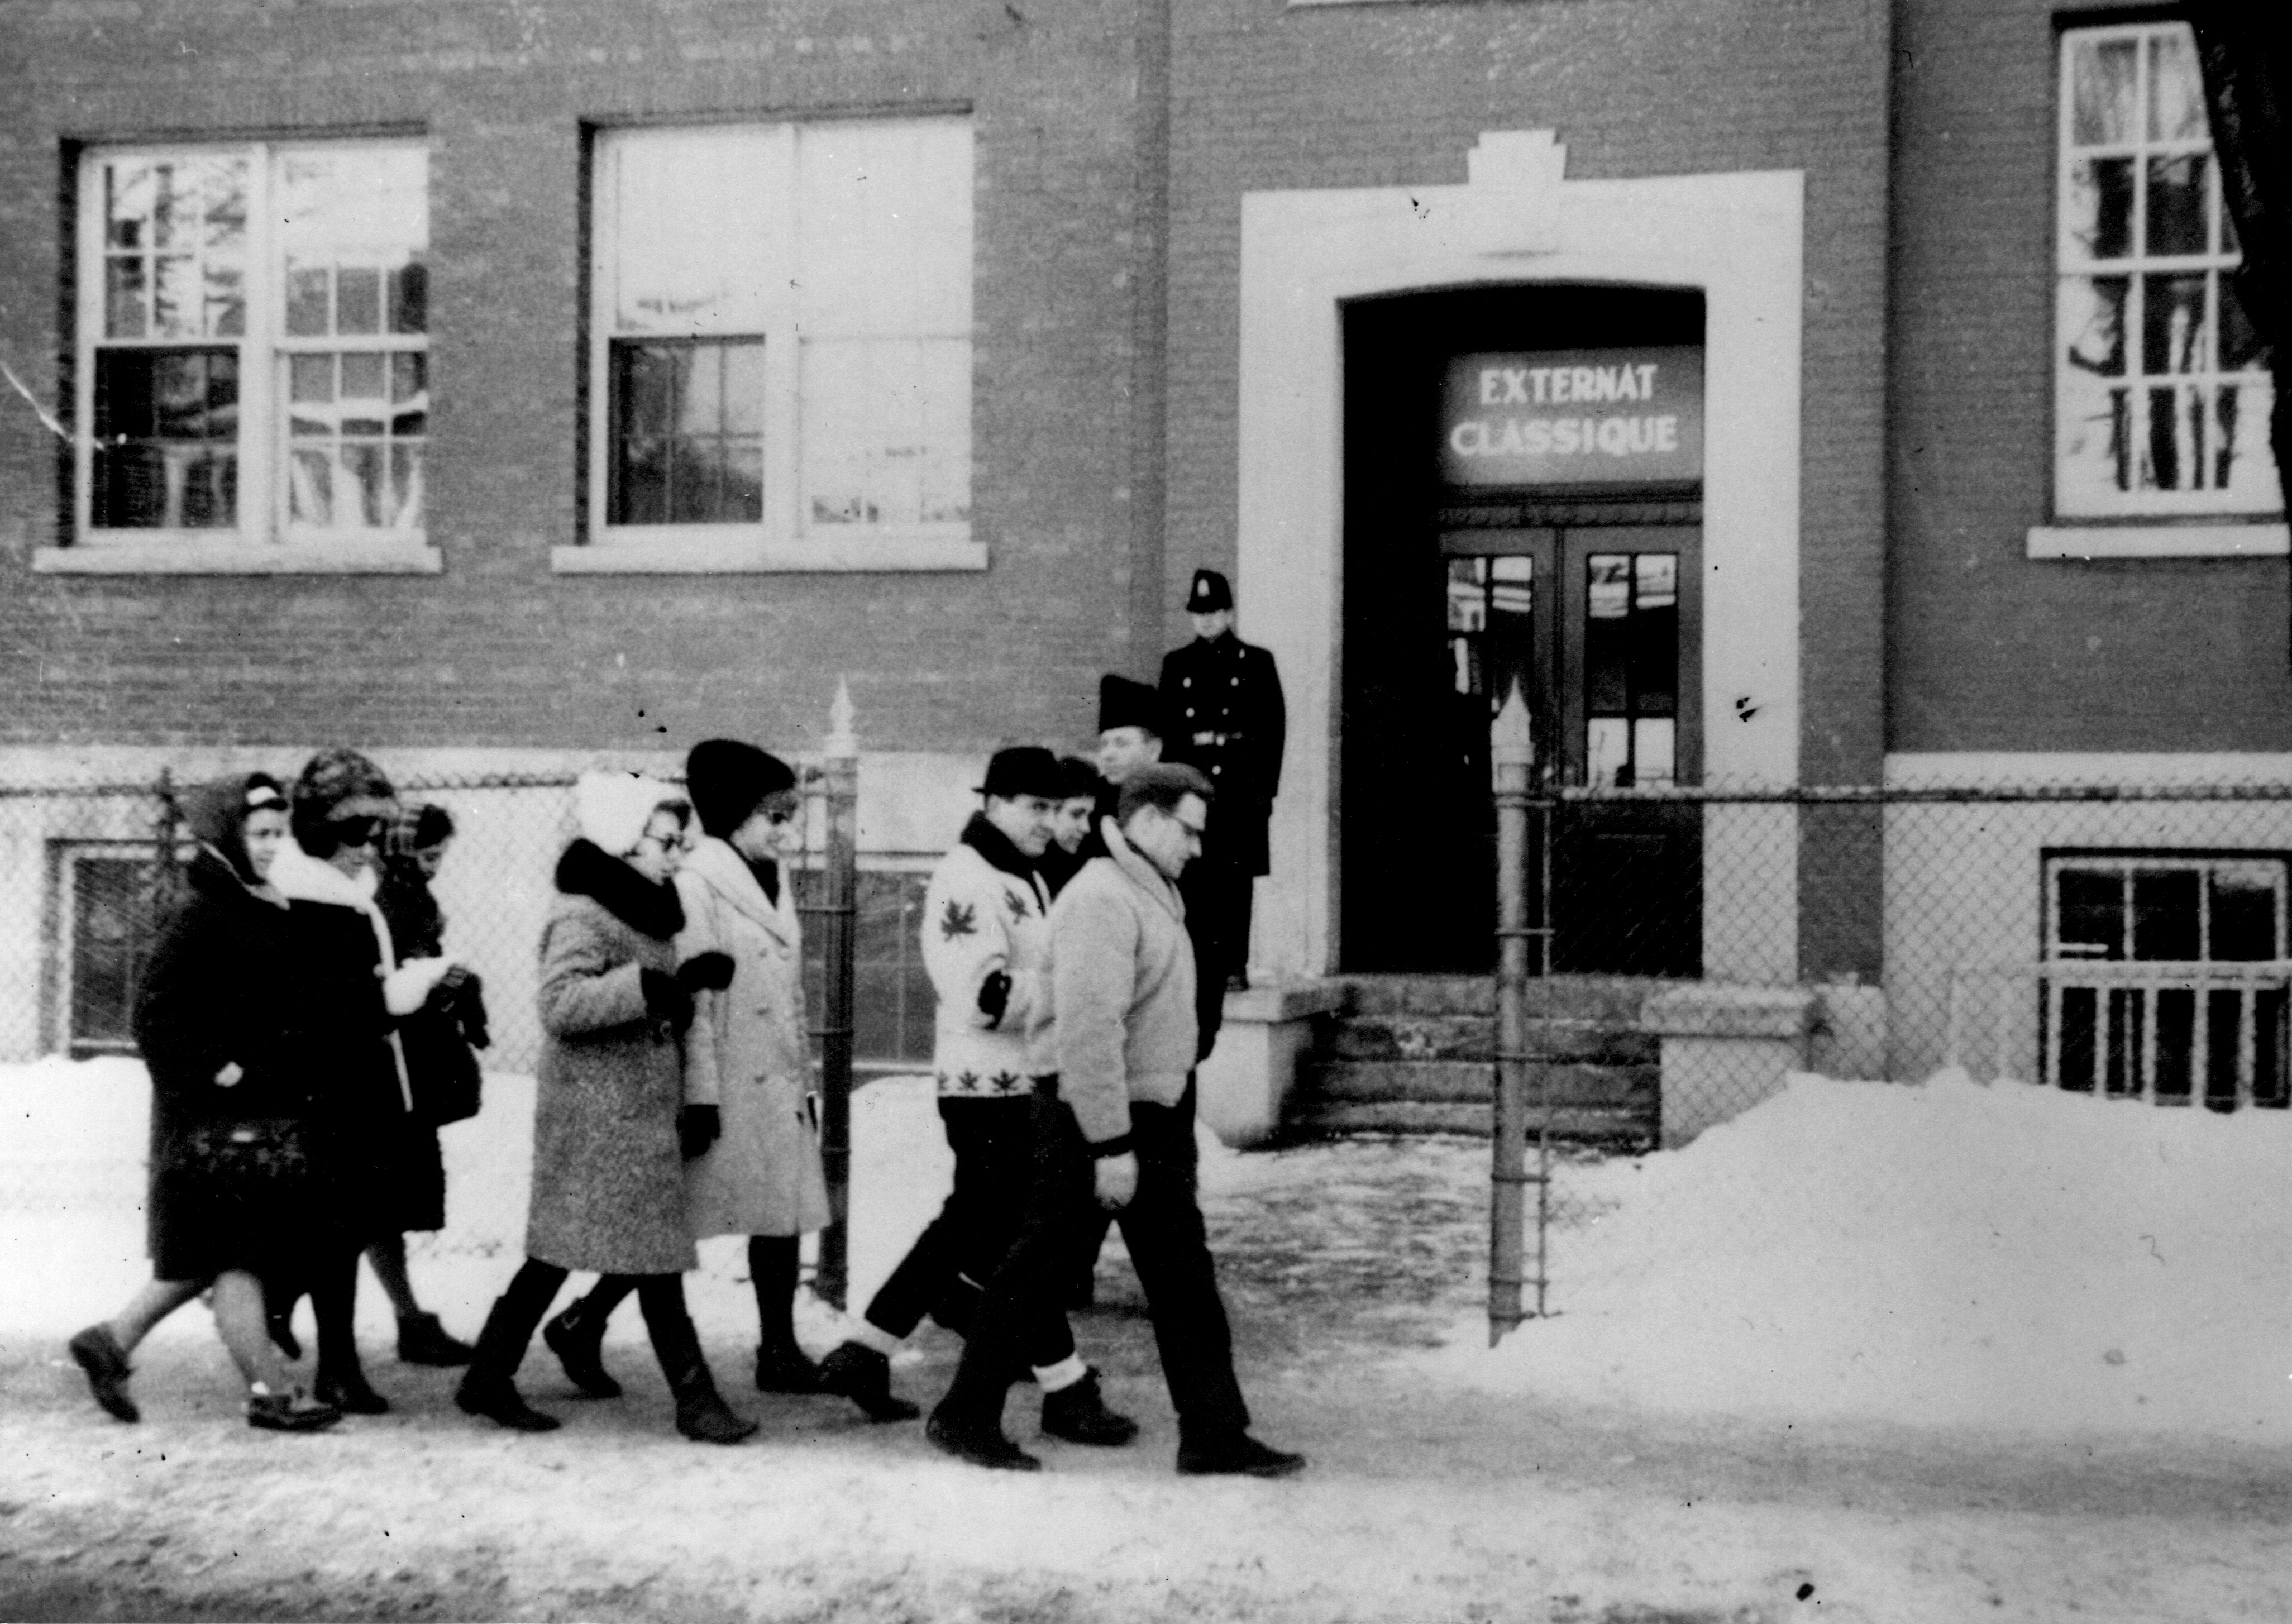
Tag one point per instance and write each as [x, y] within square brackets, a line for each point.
[1630, 417]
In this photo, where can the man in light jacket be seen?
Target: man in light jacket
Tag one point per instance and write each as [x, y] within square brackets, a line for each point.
[1110, 1133]
[986, 944]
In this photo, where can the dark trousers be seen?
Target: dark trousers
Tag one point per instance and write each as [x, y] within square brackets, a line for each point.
[1220, 895]
[1162, 1227]
[993, 1141]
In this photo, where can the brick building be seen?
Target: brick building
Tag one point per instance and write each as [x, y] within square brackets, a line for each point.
[524, 385]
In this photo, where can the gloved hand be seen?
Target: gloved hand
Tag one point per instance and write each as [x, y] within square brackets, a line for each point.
[470, 1010]
[994, 996]
[665, 998]
[709, 972]
[698, 1126]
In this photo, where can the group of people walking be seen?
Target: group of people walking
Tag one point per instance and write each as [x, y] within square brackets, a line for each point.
[295, 1115]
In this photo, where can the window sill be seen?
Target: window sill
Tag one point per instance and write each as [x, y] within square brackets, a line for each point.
[179, 557]
[2091, 541]
[747, 557]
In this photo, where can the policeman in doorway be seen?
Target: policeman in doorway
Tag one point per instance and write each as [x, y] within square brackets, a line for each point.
[1223, 698]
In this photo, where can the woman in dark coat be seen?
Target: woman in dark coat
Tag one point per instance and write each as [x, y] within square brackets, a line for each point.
[349, 991]
[608, 1163]
[441, 1074]
[228, 1200]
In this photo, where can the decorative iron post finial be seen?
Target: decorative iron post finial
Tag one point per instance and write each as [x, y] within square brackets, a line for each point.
[1512, 736]
[841, 741]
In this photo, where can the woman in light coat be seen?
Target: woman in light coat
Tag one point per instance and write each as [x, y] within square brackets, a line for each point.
[608, 1180]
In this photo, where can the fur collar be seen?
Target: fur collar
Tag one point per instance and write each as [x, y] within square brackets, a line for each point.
[645, 907]
[993, 844]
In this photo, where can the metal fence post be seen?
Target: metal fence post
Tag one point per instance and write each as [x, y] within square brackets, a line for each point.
[164, 878]
[839, 913]
[1512, 753]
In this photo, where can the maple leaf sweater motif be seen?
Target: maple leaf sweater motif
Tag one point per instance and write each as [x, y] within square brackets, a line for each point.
[983, 916]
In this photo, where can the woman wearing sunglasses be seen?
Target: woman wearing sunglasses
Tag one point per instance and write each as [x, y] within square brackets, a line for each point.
[347, 992]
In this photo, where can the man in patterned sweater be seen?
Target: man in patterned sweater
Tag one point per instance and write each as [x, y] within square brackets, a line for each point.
[985, 945]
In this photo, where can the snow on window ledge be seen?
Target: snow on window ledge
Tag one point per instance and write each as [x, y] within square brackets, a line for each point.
[622, 555]
[178, 557]
[2089, 541]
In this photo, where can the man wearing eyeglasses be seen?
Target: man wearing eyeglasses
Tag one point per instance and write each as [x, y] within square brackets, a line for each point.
[1110, 1133]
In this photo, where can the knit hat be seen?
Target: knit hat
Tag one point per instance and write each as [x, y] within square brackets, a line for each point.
[613, 808]
[1025, 769]
[729, 780]
[1124, 703]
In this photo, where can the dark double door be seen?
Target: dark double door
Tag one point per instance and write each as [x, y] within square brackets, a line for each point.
[1596, 626]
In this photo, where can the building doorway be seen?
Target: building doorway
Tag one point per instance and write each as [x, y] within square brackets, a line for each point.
[1580, 593]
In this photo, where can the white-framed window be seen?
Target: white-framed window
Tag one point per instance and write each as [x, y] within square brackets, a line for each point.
[253, 357]
[2166, 976]
[2161, 393]
[779, 354]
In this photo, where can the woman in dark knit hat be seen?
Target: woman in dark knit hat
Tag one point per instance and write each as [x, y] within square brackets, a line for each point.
[749, 1125]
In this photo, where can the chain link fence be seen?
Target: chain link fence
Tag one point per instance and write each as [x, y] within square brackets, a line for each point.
[2122, 942]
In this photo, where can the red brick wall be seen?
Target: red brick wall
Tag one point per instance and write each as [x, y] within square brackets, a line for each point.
[1991, 649]
[499, 650]
[1265, 97]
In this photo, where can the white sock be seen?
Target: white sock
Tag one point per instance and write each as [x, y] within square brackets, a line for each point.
[1065, 1373]
[872, 1335]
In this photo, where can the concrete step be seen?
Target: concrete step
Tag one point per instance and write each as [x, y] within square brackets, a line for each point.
[1609, 1129]
[1421, 1038]
[1632, 1086]
[1613, 999]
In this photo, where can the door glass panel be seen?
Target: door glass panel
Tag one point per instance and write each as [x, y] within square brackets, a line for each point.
[1631, 667]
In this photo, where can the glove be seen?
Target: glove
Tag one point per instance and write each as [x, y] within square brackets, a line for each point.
[994, 996]
[470, 1010]
[665, 998]
[709, 972]
[698, 1126]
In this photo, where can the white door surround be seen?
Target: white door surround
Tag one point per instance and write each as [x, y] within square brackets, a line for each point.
[1737, 237]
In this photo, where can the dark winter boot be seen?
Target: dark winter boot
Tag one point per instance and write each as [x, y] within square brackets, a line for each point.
[863, 1376]
[577, 1337]
[422, 1341]
[782, 1368]
[701, 1413]
[1078, 1414]
[97, 1351]
[1238, 1456]
[347, 1389]
[981, 1442]
[487, 1388]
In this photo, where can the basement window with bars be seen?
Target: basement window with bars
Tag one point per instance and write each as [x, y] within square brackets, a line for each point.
[111, 906]
[252, 356]
[2166, 977]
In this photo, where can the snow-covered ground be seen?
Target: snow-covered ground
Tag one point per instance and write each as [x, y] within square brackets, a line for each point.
[1867, 1351]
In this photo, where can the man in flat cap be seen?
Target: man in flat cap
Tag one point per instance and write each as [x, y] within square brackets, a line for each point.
[1222, 697]
[985, 942]
[1111, 1134]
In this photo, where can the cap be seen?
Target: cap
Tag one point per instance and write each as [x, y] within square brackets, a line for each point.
[1025, 769]
[1211, 592]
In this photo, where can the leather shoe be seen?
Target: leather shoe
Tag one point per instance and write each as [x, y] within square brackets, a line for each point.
[982, 1444]
[288, 1412]
[783, 1369]
[863, 1375]
[422, 1341]
[1078, 1414]
[500, 1403]
[1239, 1456]
[349, 1393]
[97, 1351]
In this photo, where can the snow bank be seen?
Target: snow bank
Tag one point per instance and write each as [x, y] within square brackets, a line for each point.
[2002, 1256]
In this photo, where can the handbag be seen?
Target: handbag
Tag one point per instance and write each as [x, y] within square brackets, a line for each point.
[249, 1160]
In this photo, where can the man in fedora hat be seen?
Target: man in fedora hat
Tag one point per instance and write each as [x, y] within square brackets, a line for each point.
[985, 942]
[1222, 697]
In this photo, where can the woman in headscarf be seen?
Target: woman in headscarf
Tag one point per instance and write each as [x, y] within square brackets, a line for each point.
[349, 991]
[229, 1184]
[749, 1125]
[608, 1169]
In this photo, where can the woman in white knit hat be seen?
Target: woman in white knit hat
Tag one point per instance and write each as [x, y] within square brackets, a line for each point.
[608, 1169]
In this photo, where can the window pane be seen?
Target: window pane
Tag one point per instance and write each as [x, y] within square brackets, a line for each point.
[2247, 899]
[887, 240]
[2097, 218]
[2102, 78]
[680, 454]
[178, 297]
[1607, 750]
[2090, 913]
[310, 377]
[362, 376]
[357, 300]
[886, 430]
[2095, 453]
[308, 312]
[409, 298]
[125, 314]
[167, 422]
[2242, 348]
[1654, 750]
[2174, 334]
[691, 229]
[2164, 918]
[2243, 464]
[2176, 91]
[2176, 203]
[2173, 450]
